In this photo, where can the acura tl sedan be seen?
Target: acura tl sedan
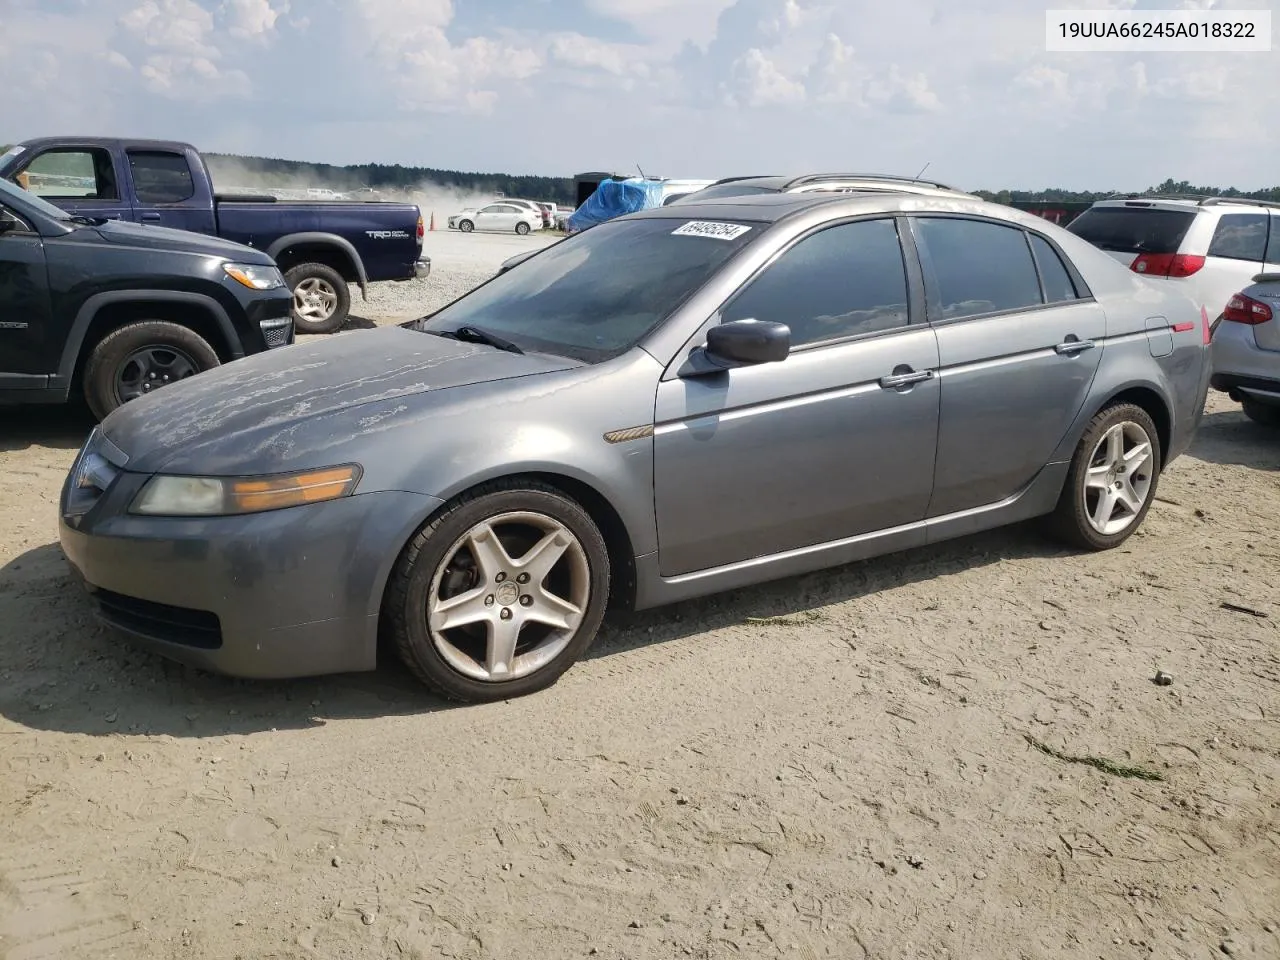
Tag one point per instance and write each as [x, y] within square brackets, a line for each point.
[677, 402]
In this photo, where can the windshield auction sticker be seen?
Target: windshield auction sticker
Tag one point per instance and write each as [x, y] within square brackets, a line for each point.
[708, 228]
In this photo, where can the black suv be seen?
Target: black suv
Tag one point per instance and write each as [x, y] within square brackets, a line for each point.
[114, 310]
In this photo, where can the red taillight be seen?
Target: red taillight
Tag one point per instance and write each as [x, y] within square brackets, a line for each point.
[1166, 264]
[422, 230]
[1242, 309]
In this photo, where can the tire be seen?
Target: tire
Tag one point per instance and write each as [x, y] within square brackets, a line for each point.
[1075, 520]
[140, 358]
[442, 563]
[466, 226]
[522, 228]
[1261, 413]
[323, 302]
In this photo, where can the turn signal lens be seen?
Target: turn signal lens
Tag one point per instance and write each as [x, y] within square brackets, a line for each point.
[170, 496]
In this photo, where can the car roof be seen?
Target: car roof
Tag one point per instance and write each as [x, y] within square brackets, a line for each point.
[176, 146]
[773, 207]
[1185, 204]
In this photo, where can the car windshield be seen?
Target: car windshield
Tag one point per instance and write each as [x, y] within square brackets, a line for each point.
[11, 191]
[1133, 229]
[718, 191]
[597, 294]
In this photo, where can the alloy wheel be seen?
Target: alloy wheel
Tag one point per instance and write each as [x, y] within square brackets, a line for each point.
[509, 596]
[1119, 479]
[315, 300]
[149, 369]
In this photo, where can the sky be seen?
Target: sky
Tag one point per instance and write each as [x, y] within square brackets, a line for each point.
[676, 88]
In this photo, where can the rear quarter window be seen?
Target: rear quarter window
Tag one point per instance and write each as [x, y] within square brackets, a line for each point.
[1133, 229]
[1240, 236]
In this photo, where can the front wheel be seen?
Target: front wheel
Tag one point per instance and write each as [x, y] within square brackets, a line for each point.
[499, 594]
[1261, 413]
[1112, 480]
[522, 228]
[466, 226]
[141, 358]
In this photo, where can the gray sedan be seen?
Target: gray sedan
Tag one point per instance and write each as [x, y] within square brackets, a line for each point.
[678, 402]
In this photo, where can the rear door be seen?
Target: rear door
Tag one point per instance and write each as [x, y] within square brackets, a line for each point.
[167, 191]
[82, 180]
[27, 354]
[1019, 340]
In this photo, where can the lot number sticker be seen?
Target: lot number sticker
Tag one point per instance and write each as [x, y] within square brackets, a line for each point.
[708, 228]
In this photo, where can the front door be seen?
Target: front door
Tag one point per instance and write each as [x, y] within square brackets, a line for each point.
[1018, 346]
[80, 180]
[26, 354]
[760, 460]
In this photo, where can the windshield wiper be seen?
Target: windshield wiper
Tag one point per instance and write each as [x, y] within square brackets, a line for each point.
[470, 334]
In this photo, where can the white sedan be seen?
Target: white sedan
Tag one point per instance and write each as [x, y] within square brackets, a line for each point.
[498, 218]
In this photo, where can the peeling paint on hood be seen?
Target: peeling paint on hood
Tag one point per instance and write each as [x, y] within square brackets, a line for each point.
[282, 388]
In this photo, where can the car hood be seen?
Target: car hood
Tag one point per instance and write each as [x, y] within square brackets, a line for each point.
[150, 237]
[266, 394]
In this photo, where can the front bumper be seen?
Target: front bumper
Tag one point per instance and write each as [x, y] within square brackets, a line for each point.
[286, 593]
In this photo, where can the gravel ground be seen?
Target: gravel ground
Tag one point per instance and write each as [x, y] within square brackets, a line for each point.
[955, 752]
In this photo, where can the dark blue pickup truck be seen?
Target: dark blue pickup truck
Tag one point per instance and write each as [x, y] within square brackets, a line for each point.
[321, 246]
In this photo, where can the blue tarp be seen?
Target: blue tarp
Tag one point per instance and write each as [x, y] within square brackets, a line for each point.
[613, 198]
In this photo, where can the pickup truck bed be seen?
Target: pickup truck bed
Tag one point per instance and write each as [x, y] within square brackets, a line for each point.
[323, 247]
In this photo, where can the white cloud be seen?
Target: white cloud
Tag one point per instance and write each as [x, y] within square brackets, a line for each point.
[181, 25]
[251, 19]
[756, 82]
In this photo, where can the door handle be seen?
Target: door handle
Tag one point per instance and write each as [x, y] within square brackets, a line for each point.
[148, 217]
[1071, 346]
[905, 379]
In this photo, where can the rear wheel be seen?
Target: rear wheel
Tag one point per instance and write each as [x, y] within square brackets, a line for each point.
[500, 594]
[141, 358]
[1112, 480]
[522, 228]
[1262, 413]
[321, 300]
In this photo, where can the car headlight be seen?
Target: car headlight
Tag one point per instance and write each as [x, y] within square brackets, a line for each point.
[255, 276]
[174, 496]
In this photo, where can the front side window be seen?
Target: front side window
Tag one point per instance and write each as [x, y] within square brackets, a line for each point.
[161, 177]
[1240, 236]
[840, 282]
[598, 293]
[976, 267]
[72, 174]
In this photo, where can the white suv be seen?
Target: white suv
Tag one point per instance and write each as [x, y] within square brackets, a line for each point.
[1213, 246]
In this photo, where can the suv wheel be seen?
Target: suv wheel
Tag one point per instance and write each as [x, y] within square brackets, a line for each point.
[321, 300]
[500, 593]
[1112, 480]
[1262, 413]
[141, 358]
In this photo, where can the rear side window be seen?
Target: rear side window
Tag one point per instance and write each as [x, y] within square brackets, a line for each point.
[1057, 281]
[1240, 236]
[1133, 229]
[840, 282]
[976, 267]
[161, 177]
[71, 174]
[1273, 240]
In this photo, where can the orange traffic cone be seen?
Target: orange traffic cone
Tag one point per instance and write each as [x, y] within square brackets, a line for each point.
[433, 219]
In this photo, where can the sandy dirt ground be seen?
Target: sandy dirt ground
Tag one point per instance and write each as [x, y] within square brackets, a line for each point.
[839, 765]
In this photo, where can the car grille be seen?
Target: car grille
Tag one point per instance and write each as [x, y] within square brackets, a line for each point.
[159, 621]
[278, 334]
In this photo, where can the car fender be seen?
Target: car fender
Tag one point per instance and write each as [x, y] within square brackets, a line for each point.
[1119, 371]
[91, 307]
[325, 239]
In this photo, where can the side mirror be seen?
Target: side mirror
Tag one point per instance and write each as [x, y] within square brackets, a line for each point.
[748, 342]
